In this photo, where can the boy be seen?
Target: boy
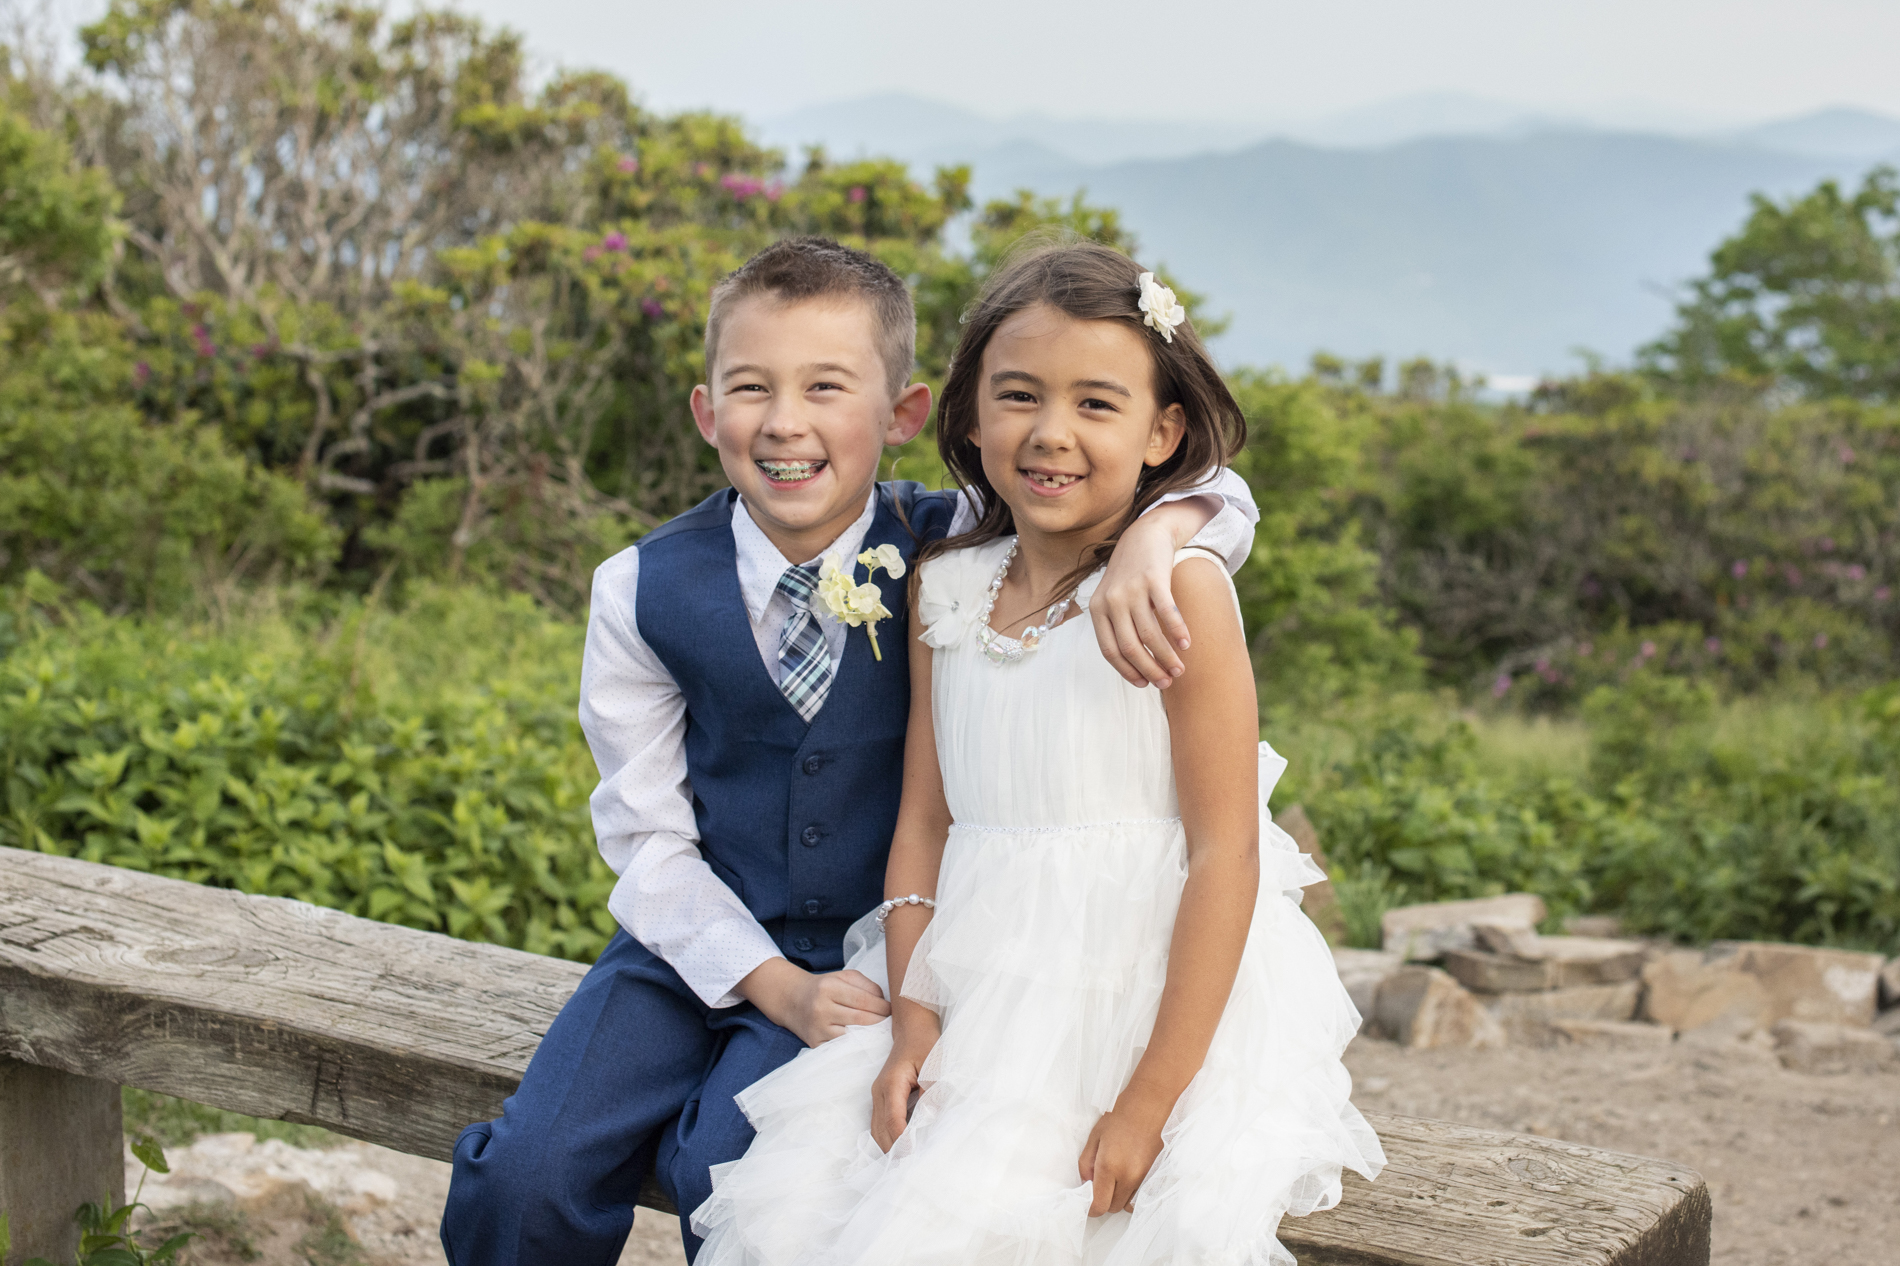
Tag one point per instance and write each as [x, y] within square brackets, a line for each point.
[750, 753]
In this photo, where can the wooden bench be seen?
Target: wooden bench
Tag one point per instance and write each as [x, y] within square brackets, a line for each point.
[275, 1008]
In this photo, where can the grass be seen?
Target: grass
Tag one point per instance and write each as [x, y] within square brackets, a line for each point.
[176, 1122]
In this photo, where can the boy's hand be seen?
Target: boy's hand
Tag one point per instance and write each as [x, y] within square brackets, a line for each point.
[1121, 1149]
[1136, 621]
[892, 1095]
[815, 1007]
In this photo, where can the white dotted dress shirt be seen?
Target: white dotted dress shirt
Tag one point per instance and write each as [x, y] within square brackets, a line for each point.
[634, 717]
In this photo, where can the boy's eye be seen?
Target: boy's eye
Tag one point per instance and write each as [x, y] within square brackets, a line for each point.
[1016, 397]
[827, 386]
[749, 386]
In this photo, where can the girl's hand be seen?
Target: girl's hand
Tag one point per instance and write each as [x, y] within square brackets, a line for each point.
[891, 1095]
[1121, 1149]
[1136, 621]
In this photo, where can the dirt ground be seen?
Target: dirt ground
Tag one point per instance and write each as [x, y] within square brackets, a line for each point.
[1804, 1169]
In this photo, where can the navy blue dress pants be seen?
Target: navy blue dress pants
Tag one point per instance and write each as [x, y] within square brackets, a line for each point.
[636, 1073]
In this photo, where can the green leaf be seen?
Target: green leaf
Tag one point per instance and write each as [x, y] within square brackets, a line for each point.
[150, 1154]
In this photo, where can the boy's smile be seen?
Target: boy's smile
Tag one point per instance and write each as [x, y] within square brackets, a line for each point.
[800, 408]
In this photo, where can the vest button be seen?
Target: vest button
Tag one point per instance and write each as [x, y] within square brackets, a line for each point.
[814, 906]
[803, 945]
[811, 836]
[814, 763]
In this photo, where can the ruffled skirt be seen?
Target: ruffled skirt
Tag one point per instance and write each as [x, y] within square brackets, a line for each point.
[1046, 959]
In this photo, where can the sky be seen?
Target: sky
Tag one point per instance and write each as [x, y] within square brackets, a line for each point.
[1681, 62]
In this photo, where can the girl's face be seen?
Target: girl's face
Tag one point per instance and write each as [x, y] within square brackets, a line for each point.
[1066, 419]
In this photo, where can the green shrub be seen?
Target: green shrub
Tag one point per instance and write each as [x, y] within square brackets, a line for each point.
[422, 766]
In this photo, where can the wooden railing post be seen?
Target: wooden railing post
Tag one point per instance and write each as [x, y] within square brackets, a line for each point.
[62, 1143]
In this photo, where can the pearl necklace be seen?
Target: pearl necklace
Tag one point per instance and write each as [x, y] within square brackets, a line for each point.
[1009, 650]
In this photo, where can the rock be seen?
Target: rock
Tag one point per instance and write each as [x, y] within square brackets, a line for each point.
[1318, 900]
[1890, 983]
[1497, 973]
[1361, 970]
[1888, 1022]
[1529, 1018]
[1426, 931]
[1611, 1034]
[1598, 925]
[1833, 1048]
[1519, 942]
[1545, 962]
[1765, 982]
[1423, 1007]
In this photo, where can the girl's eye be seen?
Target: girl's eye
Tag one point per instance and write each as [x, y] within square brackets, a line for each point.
[1092, 403]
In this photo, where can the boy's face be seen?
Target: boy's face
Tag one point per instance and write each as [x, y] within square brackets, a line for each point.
[799, 407]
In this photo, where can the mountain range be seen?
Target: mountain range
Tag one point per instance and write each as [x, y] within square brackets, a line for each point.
[1466, 230]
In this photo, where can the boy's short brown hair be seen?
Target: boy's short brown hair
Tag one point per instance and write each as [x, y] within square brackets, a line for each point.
[798, 268]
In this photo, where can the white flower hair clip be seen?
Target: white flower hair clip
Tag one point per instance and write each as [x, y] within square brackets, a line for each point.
[1160, 310]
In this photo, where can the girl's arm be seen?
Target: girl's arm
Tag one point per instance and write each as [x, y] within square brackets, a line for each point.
[1214, 724]
[923, 824]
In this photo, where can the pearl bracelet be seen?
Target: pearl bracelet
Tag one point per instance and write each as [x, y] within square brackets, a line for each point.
[883, 912]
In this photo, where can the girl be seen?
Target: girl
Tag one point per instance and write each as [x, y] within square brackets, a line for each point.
[1115, 1039]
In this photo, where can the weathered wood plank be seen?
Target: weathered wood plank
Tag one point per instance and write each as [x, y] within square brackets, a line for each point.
[280, 1009]
[61, 1145]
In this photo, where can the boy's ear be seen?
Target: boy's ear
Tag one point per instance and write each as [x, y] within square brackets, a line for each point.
[703, 412]
[908, 415]
[1170, 426]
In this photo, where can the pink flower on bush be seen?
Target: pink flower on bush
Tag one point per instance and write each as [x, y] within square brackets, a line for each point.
[1820, 641]
[856, 194]
[1649, 650]
[614, 241]
[1713, 645]
[1847, 455]
[1856, 572]
[742, 186]
[628, 163]
[141, 373]
[591, 254]
[1793, 574]
[1586, 650]
[1882, 594]
[1827, 545]
[202, 337]
[700, 169]
[1738, 569]
[775, 191]
[1502, 686]
[652, 308]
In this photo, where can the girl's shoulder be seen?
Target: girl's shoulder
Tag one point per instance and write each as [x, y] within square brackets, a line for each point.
[951, 589]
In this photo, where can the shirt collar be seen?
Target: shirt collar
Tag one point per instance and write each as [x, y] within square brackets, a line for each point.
[761, 564]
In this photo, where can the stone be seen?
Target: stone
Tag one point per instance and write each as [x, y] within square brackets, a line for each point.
[1608, 926]
[1833, 1048]
[1518, 942]
[1610, 1034]
[1890, 983]
[1528, 1018]
[1361, 970]
[1765, 982]
[1321, 906]
[1424, 1008]
[1425, 932]
[1888, 1022]
[1545, 962]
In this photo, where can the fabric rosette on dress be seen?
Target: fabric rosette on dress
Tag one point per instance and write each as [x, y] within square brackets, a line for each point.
[1046, 957]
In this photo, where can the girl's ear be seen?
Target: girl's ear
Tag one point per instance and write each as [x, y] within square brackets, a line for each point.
[1170, 425]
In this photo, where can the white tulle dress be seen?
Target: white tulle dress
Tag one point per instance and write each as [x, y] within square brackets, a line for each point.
[1046, 958]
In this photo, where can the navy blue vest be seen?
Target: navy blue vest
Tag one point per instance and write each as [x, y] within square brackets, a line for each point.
[795, 818]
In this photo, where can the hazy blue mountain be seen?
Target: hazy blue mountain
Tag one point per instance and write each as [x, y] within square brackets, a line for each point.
[926, 133]
[1423, 114]
[1503, 249]
[1836, 133]
[1503, 254]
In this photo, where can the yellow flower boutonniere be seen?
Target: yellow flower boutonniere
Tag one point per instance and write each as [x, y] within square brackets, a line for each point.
[852, 603]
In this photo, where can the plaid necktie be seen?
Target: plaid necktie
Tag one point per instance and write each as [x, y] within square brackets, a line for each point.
[804, 659]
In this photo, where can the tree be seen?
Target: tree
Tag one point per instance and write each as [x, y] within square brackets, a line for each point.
[1807, 295]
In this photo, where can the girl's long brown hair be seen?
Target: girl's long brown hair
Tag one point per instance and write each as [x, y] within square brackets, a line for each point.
[1089, 282]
